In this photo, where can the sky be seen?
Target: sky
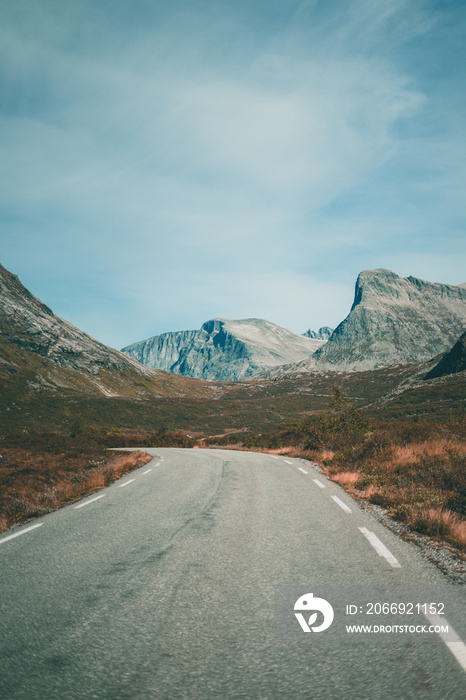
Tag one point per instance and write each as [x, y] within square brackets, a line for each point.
[162, 164]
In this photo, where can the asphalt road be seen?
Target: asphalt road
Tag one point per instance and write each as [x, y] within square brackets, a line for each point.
[163, 588]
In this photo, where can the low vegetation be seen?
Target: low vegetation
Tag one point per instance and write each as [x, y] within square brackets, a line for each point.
[415, 468]
[44, 471]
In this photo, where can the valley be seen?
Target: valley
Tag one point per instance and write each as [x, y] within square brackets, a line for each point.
[61, 387]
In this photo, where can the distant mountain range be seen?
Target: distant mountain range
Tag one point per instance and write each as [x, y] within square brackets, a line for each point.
[393, 320]
[224, 350]
[53, 374]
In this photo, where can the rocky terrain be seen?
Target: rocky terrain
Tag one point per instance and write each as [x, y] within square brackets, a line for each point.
[28, 323]
[224, 350]
[395, 320]
[323, 333]
[452, 362]
[52, 374]
[39, 350]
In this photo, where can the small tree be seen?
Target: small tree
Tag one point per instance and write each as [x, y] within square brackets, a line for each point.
[338, 399]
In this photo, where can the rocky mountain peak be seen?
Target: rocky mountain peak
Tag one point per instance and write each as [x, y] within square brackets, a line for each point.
[224, 349]
[323, 333]
[395, 320]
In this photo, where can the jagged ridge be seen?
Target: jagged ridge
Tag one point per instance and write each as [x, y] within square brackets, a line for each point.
[323, 333]
[224, 349]
[395, 320]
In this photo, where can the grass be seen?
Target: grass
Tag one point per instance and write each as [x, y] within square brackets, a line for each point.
[38, 396]
[404, 451]
[39, 473]
[421, 484]
[415, 469]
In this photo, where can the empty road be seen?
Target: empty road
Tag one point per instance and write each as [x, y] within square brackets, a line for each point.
[162, 587]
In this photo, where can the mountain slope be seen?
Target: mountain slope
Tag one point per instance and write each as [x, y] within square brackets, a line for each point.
[224, 349]
[44, 351]
[30, 324]
[452, 362]
[323, 333]
[395, 320]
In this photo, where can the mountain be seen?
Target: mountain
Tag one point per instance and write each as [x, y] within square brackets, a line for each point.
[224, 349]
[452, 362]
[323, 333]
[395, 320]
[28, 323]
[44, 351]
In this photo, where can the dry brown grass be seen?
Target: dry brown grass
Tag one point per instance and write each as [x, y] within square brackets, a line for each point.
[441, 523]
[420, 479]
[435, 448]
[414, 469]
[347, 479]
[372, 492]
[33, 482]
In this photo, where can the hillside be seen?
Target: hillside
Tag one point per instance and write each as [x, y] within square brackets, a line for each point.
[224, 349]
[452, 362]
[40, 352]
[395, 320]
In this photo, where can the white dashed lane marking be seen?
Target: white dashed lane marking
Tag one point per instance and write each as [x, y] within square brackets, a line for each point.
[302, 470]
[22, 532]
[380, 548]
[288, 461]
[319, 483]
[342, 505]
[147, 471]
[456, 645]
[126, 483]
[86, 503]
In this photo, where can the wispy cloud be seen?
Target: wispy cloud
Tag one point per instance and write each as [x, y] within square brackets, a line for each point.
[154, 148]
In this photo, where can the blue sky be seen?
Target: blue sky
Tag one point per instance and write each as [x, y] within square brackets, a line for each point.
[165, 163]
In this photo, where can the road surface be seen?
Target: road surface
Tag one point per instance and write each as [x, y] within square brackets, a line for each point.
[162, 587]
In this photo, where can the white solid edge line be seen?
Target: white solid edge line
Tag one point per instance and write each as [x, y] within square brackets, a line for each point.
[456, 645]
[302, 470]
[319, 483]
[380, 548]
[86, 503]
[288, 461]
[147, 471]
[23, 532]
[126, 483]
[342, 505]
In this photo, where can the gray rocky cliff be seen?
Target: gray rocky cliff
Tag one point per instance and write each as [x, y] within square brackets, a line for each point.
[395, 320]
[452, 362]
[323, 333]
[28, 323]
[224, 349]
